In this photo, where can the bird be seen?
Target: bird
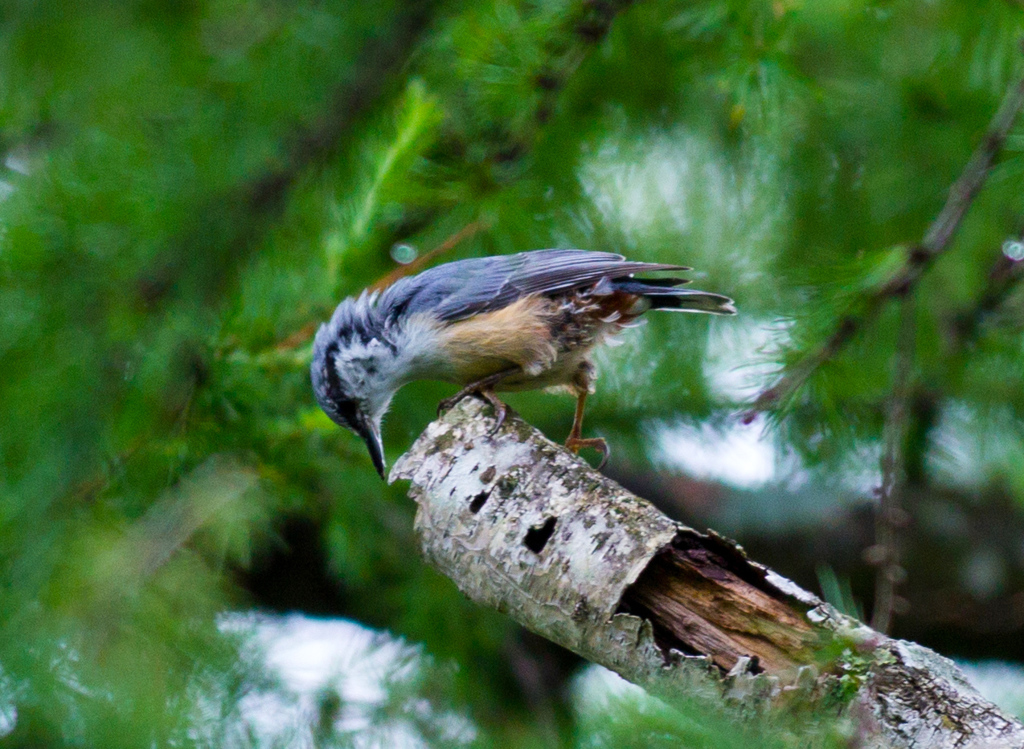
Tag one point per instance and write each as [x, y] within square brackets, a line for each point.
[501, 323]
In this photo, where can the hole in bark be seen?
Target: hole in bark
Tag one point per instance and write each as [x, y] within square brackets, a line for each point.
[539, 535]
[477, 503]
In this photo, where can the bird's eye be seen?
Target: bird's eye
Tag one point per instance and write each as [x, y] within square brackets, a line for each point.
[347, 410]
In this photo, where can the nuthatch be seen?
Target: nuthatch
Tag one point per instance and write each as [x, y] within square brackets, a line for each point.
[512, 322]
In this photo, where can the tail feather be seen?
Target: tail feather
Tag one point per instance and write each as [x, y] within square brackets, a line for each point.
[662, 294]
[694, 301]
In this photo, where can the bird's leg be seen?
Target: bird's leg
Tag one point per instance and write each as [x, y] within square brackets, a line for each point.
[484, 388]
[575, 442]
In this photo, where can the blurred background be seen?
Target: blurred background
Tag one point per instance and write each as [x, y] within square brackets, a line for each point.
[192, 554]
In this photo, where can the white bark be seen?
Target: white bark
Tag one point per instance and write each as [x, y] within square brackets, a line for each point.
[525, 527]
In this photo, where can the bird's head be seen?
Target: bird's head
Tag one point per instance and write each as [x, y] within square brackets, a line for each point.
[352, 373]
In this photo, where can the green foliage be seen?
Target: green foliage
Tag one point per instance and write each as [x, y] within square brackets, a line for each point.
[837, 591]
[624, 716]
[191, 187]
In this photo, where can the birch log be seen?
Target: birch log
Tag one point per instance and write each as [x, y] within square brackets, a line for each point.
[525, 527]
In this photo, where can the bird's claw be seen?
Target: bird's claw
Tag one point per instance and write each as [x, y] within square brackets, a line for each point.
[500, 409]
[449, 403]
[575, 444]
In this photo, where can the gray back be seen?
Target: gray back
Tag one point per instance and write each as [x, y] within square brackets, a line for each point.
[467, 287]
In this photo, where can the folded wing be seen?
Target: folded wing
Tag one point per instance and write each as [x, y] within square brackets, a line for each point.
[458, 290]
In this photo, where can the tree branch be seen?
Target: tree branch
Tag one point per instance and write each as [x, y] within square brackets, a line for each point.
[1006, 272]
[423, 261]
[890, 516]
[525, 527]
[936, 240]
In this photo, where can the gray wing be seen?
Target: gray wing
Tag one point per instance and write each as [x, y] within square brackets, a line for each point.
[467, 287]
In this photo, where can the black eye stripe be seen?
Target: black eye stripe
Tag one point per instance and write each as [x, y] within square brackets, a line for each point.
[344, 405]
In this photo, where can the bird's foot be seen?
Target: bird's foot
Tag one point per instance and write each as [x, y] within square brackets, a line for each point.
[575, 444]
[500, 409]
[449, 403]
[482, 389]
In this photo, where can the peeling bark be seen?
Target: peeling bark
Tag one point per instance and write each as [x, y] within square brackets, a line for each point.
[525, 527]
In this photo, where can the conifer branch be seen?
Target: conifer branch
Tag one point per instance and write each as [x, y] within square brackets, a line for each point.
[936, 241]
[523, 526]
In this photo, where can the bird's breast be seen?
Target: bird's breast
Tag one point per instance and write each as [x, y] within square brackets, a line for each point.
[487, 343]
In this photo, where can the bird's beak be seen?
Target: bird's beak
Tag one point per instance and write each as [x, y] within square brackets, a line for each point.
[370, 433]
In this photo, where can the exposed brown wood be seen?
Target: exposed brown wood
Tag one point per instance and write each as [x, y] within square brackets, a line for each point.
[698, 605]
